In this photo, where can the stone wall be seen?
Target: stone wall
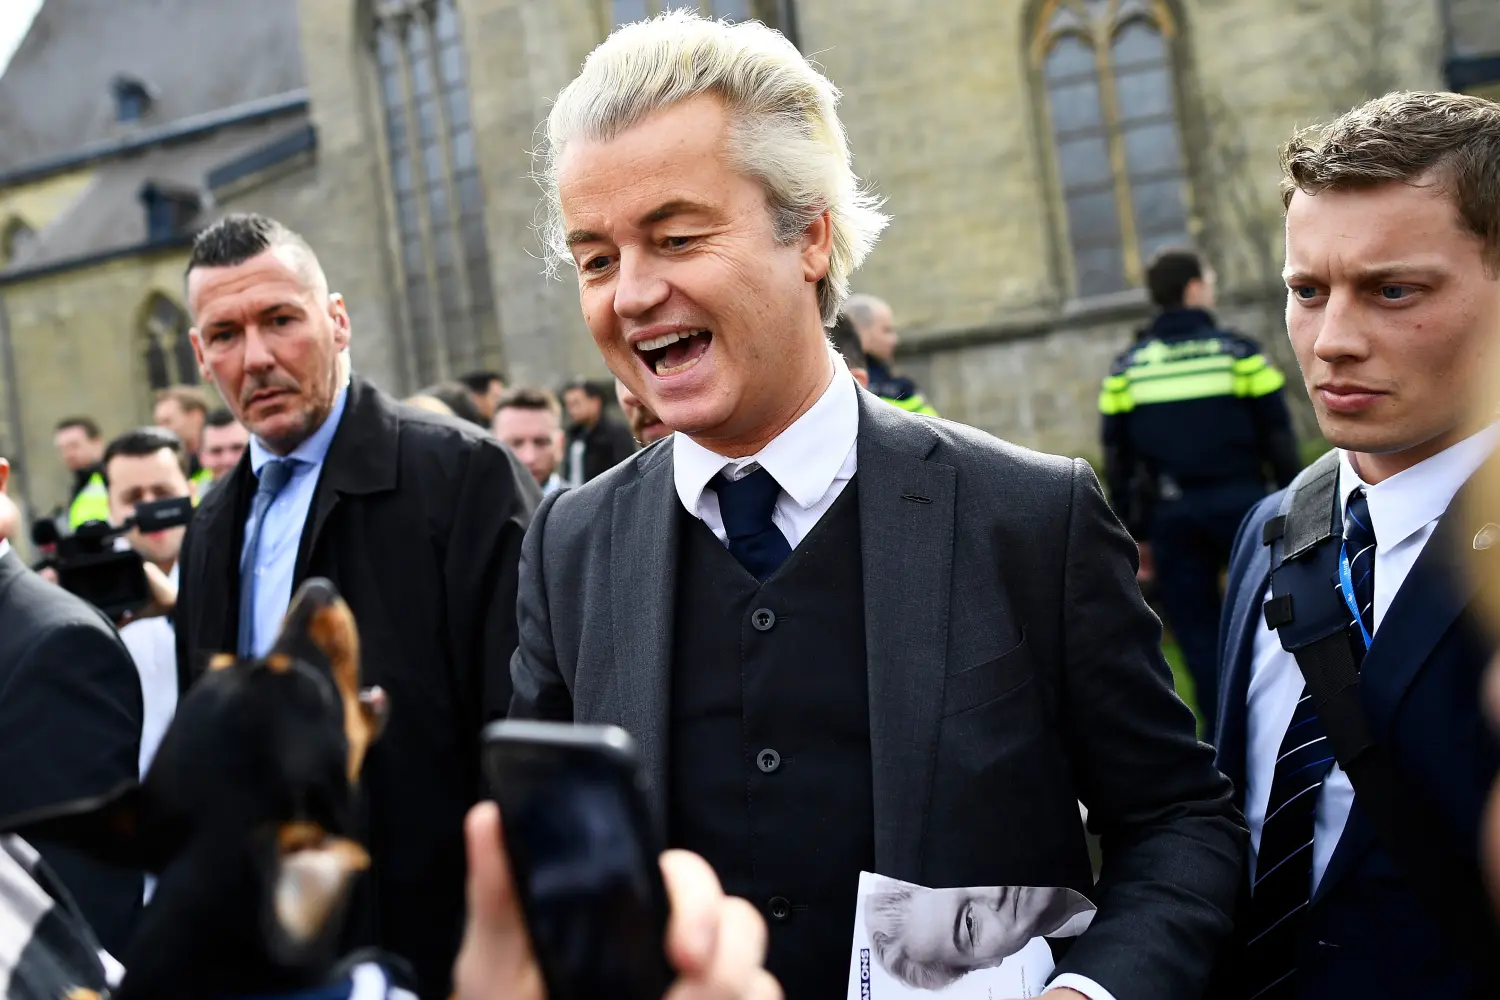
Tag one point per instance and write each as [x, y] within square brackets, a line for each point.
[78, 348]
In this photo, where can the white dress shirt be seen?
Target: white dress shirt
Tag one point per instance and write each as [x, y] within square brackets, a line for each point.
[812, 460]
[152, 643]
[1404, 512]
[4, 548]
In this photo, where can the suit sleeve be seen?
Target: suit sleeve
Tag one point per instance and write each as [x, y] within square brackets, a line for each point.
[71, 718]
[539, 689]
[484, 554]
[1172, 841]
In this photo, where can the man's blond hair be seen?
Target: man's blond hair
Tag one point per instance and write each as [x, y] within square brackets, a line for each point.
[786, 131]
[1449, 139]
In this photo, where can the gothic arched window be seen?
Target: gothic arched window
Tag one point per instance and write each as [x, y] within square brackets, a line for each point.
[168, 348]
[444, 259]
[1106, 67]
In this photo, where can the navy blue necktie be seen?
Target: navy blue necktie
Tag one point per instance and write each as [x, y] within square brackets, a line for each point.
[274, 476]
[746, 506]
[1284, 863]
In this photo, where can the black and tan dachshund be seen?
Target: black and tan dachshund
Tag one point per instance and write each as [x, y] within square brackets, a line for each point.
[246, 817]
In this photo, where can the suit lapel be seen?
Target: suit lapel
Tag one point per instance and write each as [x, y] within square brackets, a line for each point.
[1441, 585]
[218, 527]
[1438, 589]
[645, 532]
[906, 540]
[1239, 648]
[362, 458]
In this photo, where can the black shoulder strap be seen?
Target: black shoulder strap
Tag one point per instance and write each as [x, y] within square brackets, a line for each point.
[1311, 621]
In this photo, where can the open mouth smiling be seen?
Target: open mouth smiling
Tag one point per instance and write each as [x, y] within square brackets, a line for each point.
[673, 353]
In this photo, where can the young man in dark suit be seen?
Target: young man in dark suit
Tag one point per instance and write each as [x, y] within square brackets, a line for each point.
[70, 722]
[1363, 869]
[416, 519]
[844, 636]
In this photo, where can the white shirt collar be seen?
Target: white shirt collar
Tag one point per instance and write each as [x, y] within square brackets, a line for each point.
[4, 548]
[804, 459]
[1413, 498]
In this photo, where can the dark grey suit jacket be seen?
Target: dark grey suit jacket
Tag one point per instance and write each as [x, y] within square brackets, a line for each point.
[70, 730]
[1014, 670]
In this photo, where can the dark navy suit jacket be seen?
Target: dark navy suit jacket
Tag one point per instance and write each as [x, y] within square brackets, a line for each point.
[1366, 934]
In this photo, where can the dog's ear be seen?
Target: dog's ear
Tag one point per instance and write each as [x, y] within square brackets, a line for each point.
[319, 629]
[313, 875]
[114, 828]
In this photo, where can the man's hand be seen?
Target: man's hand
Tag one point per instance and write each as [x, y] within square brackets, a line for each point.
[163, 597]
[715, 943]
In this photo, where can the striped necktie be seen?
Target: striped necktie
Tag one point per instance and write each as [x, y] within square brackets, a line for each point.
[1282, 887]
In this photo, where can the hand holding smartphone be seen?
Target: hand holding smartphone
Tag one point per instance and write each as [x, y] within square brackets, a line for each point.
[583, 853]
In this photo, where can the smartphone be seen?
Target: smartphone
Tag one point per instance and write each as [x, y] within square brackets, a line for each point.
[583, 851]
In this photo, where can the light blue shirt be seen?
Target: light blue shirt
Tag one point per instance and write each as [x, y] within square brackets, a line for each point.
[281, 532]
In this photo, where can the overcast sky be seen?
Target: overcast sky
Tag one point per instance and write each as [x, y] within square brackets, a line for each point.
[15, 18]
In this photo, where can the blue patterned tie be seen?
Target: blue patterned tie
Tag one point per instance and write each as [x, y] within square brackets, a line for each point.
[274, 476]
[1284, 864]
[746, 506]
[1359, 546]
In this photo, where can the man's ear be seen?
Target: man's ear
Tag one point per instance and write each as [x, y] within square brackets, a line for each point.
[197, 340]
[4, 474]
[339, 313]
[817, 247]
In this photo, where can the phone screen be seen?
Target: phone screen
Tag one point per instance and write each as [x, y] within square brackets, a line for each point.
[581, 847]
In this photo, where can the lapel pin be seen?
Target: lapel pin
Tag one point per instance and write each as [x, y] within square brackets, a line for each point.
[1486, 537]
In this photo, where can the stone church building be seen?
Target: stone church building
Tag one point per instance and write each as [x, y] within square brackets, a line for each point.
[1032, 153]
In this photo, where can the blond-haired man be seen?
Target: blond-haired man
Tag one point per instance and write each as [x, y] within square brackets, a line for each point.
[1365, 805]
[845, 637]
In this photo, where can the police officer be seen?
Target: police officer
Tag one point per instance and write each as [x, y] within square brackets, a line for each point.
[80, 445]
[1194, 428]
[876, 325]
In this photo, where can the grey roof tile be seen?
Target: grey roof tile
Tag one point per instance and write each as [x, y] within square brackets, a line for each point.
[109, 214]
[196, 56]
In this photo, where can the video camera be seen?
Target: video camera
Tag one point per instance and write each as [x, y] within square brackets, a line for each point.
[91, 565]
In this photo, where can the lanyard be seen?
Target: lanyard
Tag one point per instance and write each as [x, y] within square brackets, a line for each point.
[1346, 586]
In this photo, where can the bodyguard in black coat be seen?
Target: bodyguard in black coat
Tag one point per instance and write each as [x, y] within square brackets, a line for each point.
[70, 725]
[417, 519]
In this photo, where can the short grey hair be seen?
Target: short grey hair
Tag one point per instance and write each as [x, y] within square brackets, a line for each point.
[786, 131]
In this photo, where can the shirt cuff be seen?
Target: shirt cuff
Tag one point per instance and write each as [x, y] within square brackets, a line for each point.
[1083, 984]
